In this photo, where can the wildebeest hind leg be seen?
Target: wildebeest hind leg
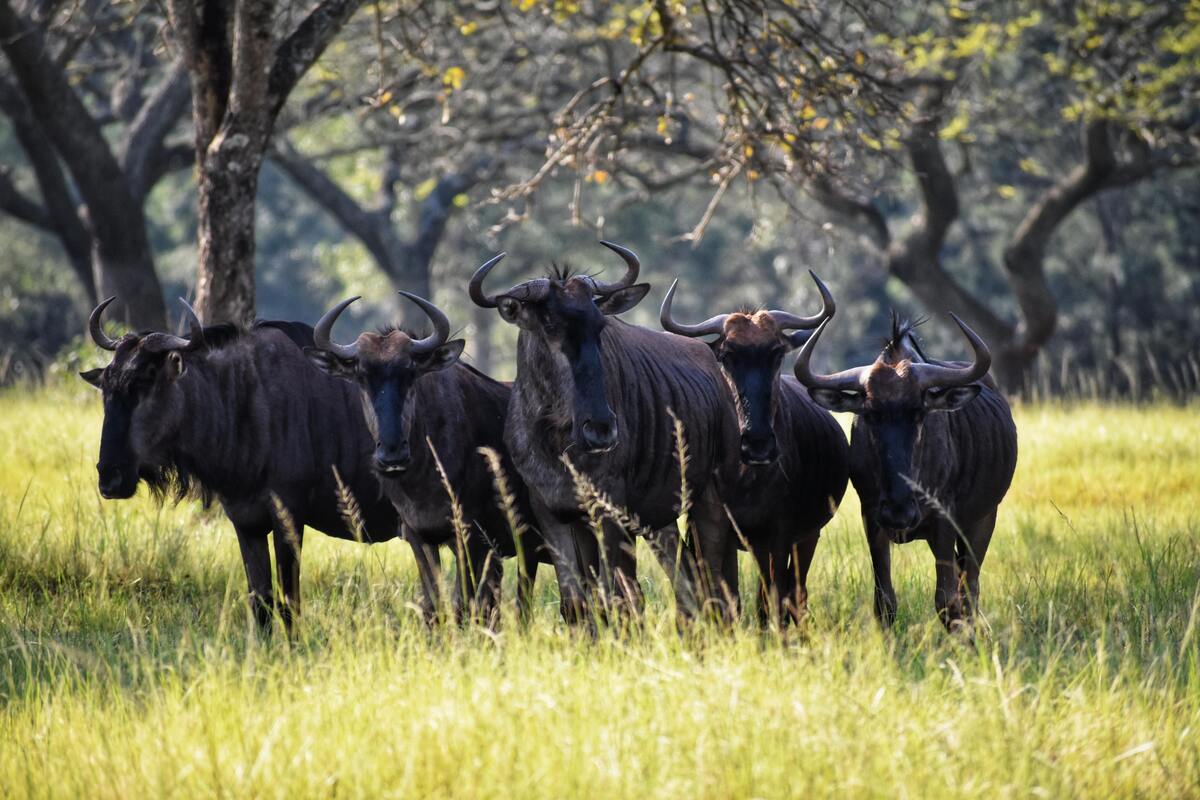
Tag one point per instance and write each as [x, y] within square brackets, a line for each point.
[256, 558]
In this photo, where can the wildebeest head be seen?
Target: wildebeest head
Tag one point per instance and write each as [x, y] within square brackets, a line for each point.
[141, 405]
[386, 365]
[892, 397]
[750, 347]
[567, 313]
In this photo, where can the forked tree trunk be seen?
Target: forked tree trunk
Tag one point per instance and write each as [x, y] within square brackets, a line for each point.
[241, 77]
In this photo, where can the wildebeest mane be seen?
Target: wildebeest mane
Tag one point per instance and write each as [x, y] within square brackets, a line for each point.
[176, 482]
[903, 329]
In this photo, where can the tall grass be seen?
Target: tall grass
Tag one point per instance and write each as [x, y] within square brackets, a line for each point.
[129, 665]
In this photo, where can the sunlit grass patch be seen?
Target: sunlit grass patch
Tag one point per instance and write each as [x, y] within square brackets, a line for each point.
[128, 664]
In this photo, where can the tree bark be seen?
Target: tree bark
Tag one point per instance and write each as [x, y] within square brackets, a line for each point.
[240, 80]
[120, 252]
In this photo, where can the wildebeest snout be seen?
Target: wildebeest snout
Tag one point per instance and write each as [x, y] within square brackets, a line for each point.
[391, 458]
[759, 450]
[598, 434]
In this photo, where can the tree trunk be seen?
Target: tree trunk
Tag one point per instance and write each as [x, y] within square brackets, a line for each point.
[240, 80]
[121, 257]
[228, 189]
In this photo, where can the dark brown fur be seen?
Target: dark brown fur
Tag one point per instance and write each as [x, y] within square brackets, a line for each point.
[242, 417]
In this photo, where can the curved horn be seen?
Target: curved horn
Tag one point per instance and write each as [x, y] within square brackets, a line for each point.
[787, 321]
[934, 376]
[323, 328]
[476, 285]
[441, 326]
[195, 328]
[633, 266]
[711, 325]
[94, 328]
[841, 381]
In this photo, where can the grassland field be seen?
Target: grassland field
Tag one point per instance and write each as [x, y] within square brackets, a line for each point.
[128, 667]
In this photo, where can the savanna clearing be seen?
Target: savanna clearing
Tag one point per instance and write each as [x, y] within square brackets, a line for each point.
[129, 667]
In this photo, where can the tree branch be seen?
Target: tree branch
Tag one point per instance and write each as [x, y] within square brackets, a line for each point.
[143, 146]
[302, 49]
[16, 204]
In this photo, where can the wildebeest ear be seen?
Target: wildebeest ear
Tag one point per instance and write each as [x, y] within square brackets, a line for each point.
[509, 308]
[951, 399]
[622, 300]
[175, 365]
[92, 376]
[838, 400]
[444, 355]
[329, 363]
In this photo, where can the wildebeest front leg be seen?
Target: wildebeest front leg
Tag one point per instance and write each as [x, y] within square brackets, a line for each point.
[429, 572]
[256, 558]
[716, 554]
[526, 582]
[620, 570]
[947, 595]
[573, 552]
[676, 560]
[801, 561]
[477, 589]
[881, 565]
[771, 555]
[971, 551]
[287, 565]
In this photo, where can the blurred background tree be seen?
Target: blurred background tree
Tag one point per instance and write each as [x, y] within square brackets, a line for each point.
[1031, 168]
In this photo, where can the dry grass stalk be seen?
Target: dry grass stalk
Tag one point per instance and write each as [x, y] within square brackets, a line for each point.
[349, 509]
[457, 520]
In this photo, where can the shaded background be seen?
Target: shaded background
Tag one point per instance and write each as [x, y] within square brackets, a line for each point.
[428, 137]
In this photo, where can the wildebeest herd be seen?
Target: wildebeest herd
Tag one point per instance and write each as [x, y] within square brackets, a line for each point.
[608, 432]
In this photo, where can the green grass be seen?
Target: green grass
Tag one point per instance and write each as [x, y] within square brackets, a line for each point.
[128, 668]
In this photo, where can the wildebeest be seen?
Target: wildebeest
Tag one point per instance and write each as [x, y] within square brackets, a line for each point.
[932, 452]
[598, 392]
[244, 417]
[417, 394]
[794, 454]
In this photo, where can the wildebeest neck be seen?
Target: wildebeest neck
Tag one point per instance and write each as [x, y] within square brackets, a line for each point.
[221, 445]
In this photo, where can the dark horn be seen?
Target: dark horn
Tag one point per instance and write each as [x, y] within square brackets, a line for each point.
[476, 285]
[633, 266]
[841, 381]
[709, 326]
[94, 328]
[324, 327]
[441, 325]
[787, 321]
[935, 376]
